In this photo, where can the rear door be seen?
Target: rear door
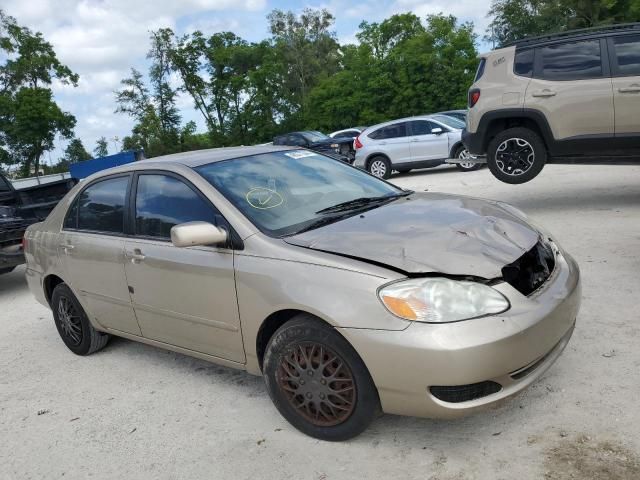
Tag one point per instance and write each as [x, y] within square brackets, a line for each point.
[393, 140]
[571, 86]
[426, 145]
[182, 296]
[624, 51]
[92, 252]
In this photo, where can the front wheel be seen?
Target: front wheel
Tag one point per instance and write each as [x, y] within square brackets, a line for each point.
[463, 154]
[380, 167]
[516, 155]
[318, 382]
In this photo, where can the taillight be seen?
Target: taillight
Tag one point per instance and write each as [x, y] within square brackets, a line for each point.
[474, 96]
[357, 143]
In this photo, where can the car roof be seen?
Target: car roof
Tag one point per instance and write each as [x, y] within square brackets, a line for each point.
[196, 158]
[398, 120]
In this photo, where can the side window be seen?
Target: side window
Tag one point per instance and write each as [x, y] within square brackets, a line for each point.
[4, 185]
[163, 201]
[421, 127]
[101, 206]
[396, 130]
[296, 140]
[523, 63]
[71, 220]
[626, 58]
[570, 61]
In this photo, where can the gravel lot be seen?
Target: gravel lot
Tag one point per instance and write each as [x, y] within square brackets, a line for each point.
[133, 411]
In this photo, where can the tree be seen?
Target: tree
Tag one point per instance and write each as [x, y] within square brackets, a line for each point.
[75, 152]
[417, 69]
[516, 19]
[29, 118]
[102, 148]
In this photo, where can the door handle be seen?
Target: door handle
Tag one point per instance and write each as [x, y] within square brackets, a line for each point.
[543, 93]
[383, 143]
[415, 139]
[633, 88]
[66, 247]
[136, 256]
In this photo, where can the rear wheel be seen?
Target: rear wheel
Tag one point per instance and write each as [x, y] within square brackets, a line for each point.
[72, 323]
[462, 154]
[318, 382]
[516, 155]
[380, 167]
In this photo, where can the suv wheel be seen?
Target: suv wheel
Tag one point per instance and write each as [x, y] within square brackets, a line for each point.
[380, 167]
[462, 153]
[516, 155]
[318, 382]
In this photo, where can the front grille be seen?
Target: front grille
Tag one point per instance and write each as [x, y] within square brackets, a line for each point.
[465, 393]
[531, 270]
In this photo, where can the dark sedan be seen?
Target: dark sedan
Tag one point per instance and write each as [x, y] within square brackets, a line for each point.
[341, 148]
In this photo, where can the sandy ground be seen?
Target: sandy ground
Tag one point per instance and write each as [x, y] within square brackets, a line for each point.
[133, 411]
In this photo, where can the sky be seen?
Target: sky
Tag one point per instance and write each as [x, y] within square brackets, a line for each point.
[101, 40]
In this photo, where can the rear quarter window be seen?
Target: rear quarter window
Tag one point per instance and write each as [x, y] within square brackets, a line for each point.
[569, 61]
[523, 63]
[480, 70]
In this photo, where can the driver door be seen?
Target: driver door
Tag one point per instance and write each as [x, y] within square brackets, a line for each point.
[426, 145]
[182, 296]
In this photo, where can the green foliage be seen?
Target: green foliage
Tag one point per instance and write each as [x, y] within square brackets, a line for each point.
[400, 68]
[75, 152]
[516, 19]
[29, 117]
[102, 148]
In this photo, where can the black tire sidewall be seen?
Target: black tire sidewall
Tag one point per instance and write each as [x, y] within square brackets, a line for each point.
[87, 330]
[387, 163]
[539, 149]
[305, 328]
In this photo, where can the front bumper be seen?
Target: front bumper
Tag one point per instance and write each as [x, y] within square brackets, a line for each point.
[512, 349]
[473, 142]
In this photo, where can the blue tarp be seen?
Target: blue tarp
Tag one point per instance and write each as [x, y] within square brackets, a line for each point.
[82, 170]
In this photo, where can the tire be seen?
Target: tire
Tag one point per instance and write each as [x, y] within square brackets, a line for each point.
[76, 331]
[324, 415]
[462, 152]
[380, 167]
[516, 155]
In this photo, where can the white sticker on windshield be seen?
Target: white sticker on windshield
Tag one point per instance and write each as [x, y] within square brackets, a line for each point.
[300, 154]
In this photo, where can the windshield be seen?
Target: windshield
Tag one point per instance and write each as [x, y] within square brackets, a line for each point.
[282, 193]
[314, 136]
[449, 121]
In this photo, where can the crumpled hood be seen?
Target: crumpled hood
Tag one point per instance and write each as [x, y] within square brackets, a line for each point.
[427, 233]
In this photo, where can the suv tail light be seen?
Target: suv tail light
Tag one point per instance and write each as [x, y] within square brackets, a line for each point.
[357, 143]
[474, 96]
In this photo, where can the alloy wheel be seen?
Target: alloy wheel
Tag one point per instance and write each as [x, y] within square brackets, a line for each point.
[465, 155]
[378, 168]
[69, 320]
[515, 156]
[317, 383]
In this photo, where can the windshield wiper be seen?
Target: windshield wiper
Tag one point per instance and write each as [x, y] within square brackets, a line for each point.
[321, 222]
[361, 202]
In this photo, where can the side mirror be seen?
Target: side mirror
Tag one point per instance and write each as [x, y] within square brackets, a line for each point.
[436, 131]
[197, 234]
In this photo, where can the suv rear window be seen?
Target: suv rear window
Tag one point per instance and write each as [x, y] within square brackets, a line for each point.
[390, 131]
[626, 55]
[480, 70]
[570, 61]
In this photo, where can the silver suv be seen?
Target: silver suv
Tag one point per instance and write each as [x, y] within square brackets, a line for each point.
[415, 142]
[574, 94]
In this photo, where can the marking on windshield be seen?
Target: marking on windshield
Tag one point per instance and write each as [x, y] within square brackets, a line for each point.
[264, 198]
[300, 154]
